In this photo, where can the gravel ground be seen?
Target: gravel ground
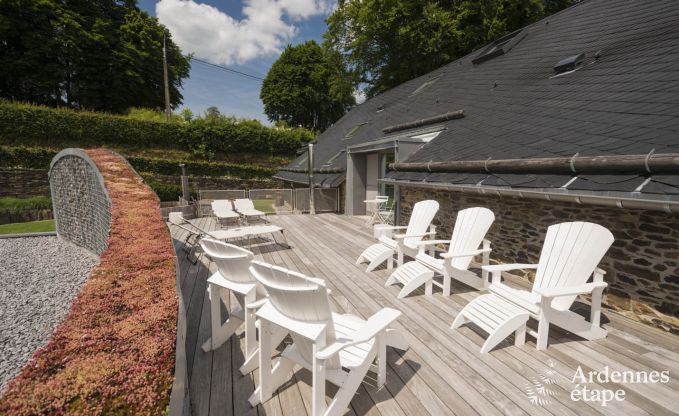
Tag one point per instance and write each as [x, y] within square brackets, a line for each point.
[39, 278]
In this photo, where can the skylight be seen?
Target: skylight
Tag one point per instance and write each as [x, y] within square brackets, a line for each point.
[354, 130]
[332, 159]
[500, 46]
[428, 83]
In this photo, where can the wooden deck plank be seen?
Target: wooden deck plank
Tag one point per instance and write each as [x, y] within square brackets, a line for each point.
[442, 372]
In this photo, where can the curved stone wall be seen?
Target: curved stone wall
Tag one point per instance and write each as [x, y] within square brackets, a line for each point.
[82, 206]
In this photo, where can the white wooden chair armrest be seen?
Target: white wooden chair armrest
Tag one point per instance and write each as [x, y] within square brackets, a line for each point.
[508, 267]
[552, 292]
[465, 254]
[394, 227]
[432, 242]
[402, 236]
[372, 327]
[497, 269]
[256, 304]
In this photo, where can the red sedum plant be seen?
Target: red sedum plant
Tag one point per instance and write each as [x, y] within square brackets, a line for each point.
[114, 351]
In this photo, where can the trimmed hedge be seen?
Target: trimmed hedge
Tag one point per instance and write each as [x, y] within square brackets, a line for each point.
[29, 124]
[167, 192]
[39, 158]
[114, 352]
[15, 205]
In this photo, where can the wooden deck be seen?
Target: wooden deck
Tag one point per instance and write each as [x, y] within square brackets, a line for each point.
[442, 373]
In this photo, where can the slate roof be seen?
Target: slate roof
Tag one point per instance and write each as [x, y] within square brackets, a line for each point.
[624, 102]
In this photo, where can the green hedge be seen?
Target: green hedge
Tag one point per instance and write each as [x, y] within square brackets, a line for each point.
[171, 167]
[15, 205]
[168, 192]
[29, 125]
[39, 158]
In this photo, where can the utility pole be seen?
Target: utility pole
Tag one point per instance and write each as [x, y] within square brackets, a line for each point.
[168, 112]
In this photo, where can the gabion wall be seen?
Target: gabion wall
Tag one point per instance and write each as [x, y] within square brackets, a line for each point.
[82, 207]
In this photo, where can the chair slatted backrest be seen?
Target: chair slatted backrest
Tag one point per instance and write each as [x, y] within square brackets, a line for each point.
[471, 227]
[571, 252]
[232, 261]
[221, 205]
[300, 298]
[243, 203]
[420, 219]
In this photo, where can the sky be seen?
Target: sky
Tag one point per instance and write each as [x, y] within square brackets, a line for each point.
[245, 35]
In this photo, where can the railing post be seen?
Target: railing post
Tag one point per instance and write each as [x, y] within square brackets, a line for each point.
[312, 206]
[185, 182]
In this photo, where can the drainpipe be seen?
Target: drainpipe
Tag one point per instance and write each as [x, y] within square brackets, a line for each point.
[185, 183]
[312, 205]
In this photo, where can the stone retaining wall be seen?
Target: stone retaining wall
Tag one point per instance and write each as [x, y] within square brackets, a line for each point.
[22, 183]
[642, 264]
[8, 217]
[81, 204]
[217, 183]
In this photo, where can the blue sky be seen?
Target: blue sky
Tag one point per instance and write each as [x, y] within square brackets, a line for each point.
[246, 35]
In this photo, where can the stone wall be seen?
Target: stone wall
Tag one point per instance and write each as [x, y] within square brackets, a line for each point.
[82, 207]
[206, 182]
[22, 183]
[642, 265]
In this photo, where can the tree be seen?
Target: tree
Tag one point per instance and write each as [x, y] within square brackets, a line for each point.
[387, 42]
[307, 86]
[99, 55]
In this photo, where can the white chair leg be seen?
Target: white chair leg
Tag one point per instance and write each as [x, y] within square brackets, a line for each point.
[543, 332]
[381, 346]
[520, 336]
[252, 361]
[346, 392]
[318, 404]
[220, 333]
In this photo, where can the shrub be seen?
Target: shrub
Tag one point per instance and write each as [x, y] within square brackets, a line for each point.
[39, 158]
[114, 351]
[15, 205]
[167, 192]
[29, 124]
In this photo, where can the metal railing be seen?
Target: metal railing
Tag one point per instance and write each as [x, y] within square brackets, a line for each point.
[274, 201]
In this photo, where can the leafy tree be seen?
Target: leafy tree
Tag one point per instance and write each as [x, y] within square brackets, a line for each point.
[387, 42]
[98, 54]
[307, 86]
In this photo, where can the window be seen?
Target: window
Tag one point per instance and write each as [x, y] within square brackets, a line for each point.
[500, 46]
[428, 83]
[303, 161]
[354, 130]
[333, 159]
[383, 188]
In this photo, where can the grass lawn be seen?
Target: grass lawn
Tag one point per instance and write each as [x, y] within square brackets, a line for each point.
[27, 227]
[264, 205]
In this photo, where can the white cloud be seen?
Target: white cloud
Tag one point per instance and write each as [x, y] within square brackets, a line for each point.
[267, 26]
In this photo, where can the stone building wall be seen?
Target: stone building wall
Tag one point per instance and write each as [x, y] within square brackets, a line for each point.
[82, 207]
[22, 183]
[642, 265]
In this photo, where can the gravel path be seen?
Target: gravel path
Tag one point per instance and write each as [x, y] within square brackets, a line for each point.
[39, 278]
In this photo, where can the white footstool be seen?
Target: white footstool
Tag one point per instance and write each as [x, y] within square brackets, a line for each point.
[496, 316]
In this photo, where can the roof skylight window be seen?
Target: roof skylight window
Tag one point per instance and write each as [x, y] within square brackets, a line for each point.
[334, 158]
[354, 130]
[500, 46]
[428, 83]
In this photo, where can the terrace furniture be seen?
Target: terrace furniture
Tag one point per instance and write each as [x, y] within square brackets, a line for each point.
[385, 215]
[223, 210]
[193, 234]
[374, 206]
[246, 208]
[233, 275]
[420, 219]
[471, 227]
[249, 232]
[570, 254]
[334, 347]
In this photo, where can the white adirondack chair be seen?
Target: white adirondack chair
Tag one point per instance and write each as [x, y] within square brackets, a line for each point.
[471, 227]
[223, 210]
[402, 244]
[246, 208]
[570, 254]
[233, 275]
[337, 348]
